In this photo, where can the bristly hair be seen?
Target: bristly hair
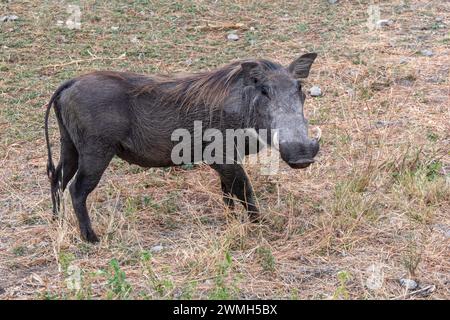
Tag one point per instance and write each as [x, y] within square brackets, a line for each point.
[209, 88]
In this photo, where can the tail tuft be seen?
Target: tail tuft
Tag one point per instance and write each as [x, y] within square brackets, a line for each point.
[50, 170]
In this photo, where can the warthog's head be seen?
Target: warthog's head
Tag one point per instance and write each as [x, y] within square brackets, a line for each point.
[276, 96]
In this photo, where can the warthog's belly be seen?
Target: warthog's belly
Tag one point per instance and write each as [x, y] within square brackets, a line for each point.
[146, 157]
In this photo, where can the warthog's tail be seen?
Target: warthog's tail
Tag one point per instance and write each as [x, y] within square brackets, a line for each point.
[50, 165]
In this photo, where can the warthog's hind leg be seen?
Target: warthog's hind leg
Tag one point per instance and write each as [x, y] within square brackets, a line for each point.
[92, 163]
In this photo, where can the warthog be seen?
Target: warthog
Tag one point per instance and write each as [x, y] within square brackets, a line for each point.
[103, 114]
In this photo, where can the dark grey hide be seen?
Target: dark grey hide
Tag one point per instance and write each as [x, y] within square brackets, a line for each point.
[103, 114]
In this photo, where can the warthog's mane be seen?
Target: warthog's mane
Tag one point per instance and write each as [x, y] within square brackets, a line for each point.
[208, 88]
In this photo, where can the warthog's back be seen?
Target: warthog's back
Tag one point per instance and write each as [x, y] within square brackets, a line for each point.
[104, 106]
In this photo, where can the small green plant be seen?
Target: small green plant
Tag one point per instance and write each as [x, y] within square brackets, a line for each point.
[433, 137]
[119, 286]
[19, 251]
[146, 256]
[49, 296]
[411, 258]
[188, 290]
[65, 259]
[161, 286]
[341, 291]
[302, 27]
[221, 291]
[433, 169]
[294, 294]
[148, 201]
[131, 206]
[266, 259]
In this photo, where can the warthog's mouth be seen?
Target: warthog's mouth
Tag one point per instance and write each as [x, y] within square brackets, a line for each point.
[301, 164]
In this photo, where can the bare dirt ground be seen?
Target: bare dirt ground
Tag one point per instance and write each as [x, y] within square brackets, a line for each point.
[374, 208]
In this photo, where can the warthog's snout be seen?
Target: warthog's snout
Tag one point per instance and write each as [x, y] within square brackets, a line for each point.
[299, 155]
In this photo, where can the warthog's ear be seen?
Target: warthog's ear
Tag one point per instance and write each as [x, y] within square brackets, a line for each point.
[301, 66]
[252, 73]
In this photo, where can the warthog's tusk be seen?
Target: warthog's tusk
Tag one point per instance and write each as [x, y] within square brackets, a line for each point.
[317, 133]
[276, 142]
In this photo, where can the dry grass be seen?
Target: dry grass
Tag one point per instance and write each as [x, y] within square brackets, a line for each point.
[378, 198]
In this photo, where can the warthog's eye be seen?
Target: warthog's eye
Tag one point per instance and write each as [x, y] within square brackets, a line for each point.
[265, 91]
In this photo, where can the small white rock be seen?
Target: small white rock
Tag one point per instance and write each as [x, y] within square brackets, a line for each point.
[72, 24]
[315, 91]
[208, 282]
[384, 23]
[156, 249]
[426, 52]
[332, 1]
[404, 60]
[408, 284]
[232, 37]
[134, 39]
[114, 28]
[11, 17]
[442, 228]
[351, 92]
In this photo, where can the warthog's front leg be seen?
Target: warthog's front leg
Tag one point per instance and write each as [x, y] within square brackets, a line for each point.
[235, 182]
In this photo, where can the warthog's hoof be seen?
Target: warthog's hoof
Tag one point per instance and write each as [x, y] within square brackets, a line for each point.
[89, 235]
[254, 216]
[229, 202]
